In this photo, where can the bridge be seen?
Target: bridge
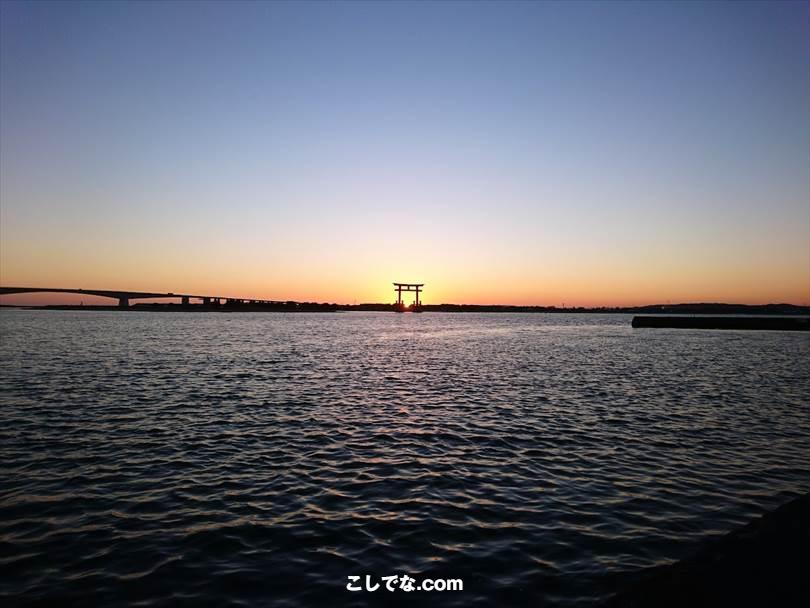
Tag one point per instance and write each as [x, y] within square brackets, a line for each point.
[124, 297]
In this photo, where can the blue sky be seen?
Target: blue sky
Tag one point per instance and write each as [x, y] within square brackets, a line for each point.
[581, 152]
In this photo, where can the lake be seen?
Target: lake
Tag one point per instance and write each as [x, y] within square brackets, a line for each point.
[262, 458]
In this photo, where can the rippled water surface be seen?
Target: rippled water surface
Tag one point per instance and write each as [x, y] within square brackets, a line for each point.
[260, 459]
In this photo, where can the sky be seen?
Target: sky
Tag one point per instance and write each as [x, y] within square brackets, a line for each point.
[509, 153]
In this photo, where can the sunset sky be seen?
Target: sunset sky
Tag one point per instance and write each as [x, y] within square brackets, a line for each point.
[527, 153]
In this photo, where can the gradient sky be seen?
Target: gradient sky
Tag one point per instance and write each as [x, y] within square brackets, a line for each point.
[527, 153]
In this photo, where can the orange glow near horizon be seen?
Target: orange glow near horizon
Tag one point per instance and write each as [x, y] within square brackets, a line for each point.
[465, 286]
[466, 260]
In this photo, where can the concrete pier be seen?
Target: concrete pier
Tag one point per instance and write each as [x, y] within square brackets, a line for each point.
[761, 564]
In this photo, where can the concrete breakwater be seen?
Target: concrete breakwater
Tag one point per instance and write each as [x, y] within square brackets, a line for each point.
[723, 322]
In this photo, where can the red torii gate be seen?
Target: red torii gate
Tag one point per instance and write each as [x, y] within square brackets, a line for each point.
[400, 287]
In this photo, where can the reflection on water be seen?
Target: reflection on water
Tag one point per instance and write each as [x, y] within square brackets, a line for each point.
[263, 458]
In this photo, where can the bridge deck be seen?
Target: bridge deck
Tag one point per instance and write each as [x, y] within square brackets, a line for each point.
[123, 297]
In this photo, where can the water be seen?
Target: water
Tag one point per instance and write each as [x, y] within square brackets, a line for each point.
[260, 459]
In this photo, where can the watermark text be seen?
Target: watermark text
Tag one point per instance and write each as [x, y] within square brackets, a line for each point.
[402, 582]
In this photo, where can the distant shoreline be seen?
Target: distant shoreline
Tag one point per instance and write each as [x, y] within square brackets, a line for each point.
[683, 309]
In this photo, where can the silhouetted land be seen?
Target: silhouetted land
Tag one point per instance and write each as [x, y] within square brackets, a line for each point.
[762, 564]
[291, 306]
